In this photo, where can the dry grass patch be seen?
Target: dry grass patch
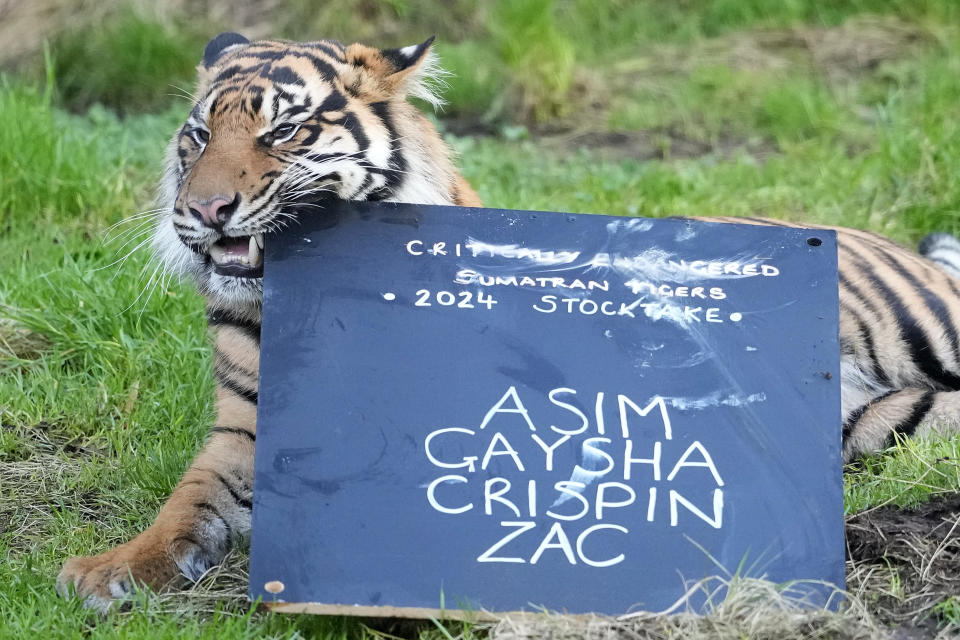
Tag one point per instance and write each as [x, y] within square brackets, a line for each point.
[222, 590]
[751, 608]
[47, 440]
[38, 480]
[859, 45]
[20, 343]
[30, 492]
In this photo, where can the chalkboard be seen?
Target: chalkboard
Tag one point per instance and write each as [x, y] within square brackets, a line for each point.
[477, 409]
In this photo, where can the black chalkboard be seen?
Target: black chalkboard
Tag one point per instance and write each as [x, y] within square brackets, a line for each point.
[510, 410]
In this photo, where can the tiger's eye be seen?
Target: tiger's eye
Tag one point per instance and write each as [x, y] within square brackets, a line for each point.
[285, 130]
[201, 136]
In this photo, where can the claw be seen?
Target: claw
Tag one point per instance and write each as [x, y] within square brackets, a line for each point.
[108, 580]
[98, 603]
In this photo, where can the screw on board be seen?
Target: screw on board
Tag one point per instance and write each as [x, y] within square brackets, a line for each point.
[274, 586]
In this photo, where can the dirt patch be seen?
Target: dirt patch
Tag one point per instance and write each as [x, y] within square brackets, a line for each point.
[642, 144]
[908, 560]
[862, 44]
[859, 45]
[656, 144]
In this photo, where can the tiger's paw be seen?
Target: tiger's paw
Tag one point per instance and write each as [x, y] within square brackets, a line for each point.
[111, 577]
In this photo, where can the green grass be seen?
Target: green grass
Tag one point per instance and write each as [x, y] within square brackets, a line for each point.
[513, 59]
[94, 428]
[129, 63]
[949, 610]
[909, 475]
[54, 176]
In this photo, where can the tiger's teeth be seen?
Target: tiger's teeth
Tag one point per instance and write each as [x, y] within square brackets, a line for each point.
[259, 239]
[217, 253]
[254, 254]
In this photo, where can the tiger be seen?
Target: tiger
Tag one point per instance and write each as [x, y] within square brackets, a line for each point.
[277, 127]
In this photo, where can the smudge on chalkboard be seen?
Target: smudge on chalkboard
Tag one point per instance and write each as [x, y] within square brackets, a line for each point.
[584, 473]
[630, 225]
[715, 399]
[654, 263]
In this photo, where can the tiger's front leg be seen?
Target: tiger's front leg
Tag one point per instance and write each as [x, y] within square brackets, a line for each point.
[208, 511]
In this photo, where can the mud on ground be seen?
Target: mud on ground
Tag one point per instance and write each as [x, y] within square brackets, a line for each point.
[904, 562]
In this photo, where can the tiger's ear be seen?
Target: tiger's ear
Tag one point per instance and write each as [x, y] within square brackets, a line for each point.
[219, 45]
[211, 53]
[407, 57]
[408, 71]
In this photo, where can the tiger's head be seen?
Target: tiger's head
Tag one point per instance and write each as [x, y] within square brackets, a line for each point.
[276, 127]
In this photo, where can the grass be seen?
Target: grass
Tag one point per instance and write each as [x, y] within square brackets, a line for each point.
[129, 63]
[917, 470]
[515, 59]
[949, 609]
[724, 111]
[53, 176]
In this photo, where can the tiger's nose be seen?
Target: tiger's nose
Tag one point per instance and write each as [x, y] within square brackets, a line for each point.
[215, 212]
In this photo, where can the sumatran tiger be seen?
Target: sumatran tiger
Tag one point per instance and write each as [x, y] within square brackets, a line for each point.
[277, 123]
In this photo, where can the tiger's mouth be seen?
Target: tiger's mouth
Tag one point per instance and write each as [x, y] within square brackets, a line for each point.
[238, 256]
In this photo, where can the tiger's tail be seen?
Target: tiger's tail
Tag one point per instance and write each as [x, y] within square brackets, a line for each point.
[944, 249]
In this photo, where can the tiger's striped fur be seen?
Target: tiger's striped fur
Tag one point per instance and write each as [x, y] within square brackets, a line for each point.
[277, 122]
[899, 347]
